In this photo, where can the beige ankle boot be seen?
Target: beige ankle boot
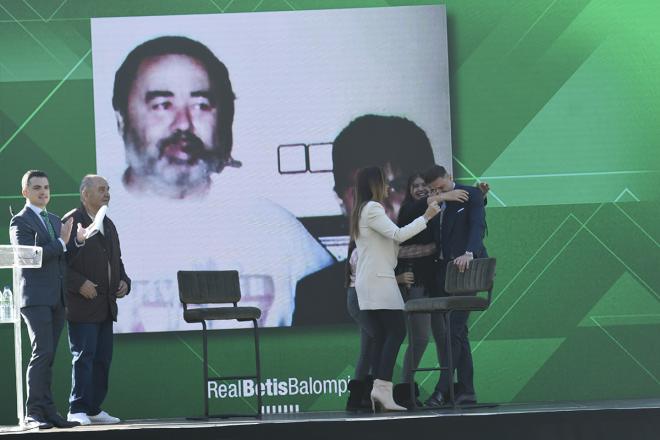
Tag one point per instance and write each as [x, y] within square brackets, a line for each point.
[381, 396]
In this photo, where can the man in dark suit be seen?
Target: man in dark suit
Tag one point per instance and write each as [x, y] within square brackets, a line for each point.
[458, 233]
[42, 294]
[95, 279]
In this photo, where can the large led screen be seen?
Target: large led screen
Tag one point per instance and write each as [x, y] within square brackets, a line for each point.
[231, 142]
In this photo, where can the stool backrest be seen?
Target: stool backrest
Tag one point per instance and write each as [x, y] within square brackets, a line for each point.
[477, 278]
[208, 286]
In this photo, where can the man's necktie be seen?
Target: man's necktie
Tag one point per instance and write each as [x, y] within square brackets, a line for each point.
[443, 207]
[49, 226]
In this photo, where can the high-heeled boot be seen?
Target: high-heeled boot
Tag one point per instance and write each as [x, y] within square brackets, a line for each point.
[356, 391]
[381, 397]
[366, 396]
[402, 396]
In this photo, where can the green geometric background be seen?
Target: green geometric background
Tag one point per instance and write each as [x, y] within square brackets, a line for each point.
[555, 103]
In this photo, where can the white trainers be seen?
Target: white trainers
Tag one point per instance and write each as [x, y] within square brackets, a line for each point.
[81, 418]
[103, 418]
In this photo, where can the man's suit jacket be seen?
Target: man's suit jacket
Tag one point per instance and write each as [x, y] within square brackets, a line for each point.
[378, 247]
[90, 262]
[43, 286]
[463, 226]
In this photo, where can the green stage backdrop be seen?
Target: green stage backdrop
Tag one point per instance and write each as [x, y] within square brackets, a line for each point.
[554, 102]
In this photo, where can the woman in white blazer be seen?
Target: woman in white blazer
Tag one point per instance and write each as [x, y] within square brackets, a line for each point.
[377, 239]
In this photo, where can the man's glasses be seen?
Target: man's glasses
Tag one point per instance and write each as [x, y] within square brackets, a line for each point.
[304, 158]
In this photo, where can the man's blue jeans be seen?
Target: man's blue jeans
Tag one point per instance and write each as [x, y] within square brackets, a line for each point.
[91, 347]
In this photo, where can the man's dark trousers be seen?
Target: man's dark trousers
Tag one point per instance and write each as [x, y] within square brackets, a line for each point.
[460, 343]
[44, 325]
[91, 347]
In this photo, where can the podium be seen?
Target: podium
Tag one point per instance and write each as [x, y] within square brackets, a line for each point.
[18, 257]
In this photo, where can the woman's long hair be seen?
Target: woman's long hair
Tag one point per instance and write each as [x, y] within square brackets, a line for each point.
[370, 185]
[409, 197]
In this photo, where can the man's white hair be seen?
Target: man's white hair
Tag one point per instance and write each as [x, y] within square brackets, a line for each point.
[88, 182]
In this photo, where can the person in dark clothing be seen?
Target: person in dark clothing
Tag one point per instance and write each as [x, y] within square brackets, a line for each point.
[458, 233]
[417, 255]
[95, 279]
[41, 293]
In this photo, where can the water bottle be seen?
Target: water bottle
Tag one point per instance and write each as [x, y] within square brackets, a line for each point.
[3, 305]
[6, 305]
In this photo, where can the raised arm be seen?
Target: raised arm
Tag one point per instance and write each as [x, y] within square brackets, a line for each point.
[381, 223]
[477, 221]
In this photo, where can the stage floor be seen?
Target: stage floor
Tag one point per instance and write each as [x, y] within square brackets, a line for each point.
[640, 419]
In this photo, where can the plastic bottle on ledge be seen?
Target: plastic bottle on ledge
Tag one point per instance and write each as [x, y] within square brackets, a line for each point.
[6, 305]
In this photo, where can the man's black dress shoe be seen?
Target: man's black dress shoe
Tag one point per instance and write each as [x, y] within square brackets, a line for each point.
[37, 421]
[60, 422]
[466, 399]
[435, 400]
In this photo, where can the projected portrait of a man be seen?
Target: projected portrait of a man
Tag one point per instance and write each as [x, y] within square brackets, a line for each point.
[174, 105]
[190, 114]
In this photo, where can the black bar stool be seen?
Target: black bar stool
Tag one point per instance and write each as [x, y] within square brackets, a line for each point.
[218, 287]
[463, 288]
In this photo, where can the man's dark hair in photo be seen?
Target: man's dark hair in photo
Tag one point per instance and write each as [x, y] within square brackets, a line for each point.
[374, 140]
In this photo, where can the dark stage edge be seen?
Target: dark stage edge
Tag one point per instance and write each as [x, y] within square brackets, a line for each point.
[620, 419]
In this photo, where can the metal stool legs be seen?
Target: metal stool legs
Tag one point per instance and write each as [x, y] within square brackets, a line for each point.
[411, 358]
[446, 319]
[258, 365]
[207, 379]
[450, 357]
[205, 365]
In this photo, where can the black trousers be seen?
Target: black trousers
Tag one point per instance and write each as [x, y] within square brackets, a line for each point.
[44, 325]
[389, 331]
[460, 343]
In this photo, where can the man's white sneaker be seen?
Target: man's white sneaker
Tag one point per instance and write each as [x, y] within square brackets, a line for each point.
[81, 418]
[103, 418]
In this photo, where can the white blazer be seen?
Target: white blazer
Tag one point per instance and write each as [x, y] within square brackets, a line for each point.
[378, 247]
